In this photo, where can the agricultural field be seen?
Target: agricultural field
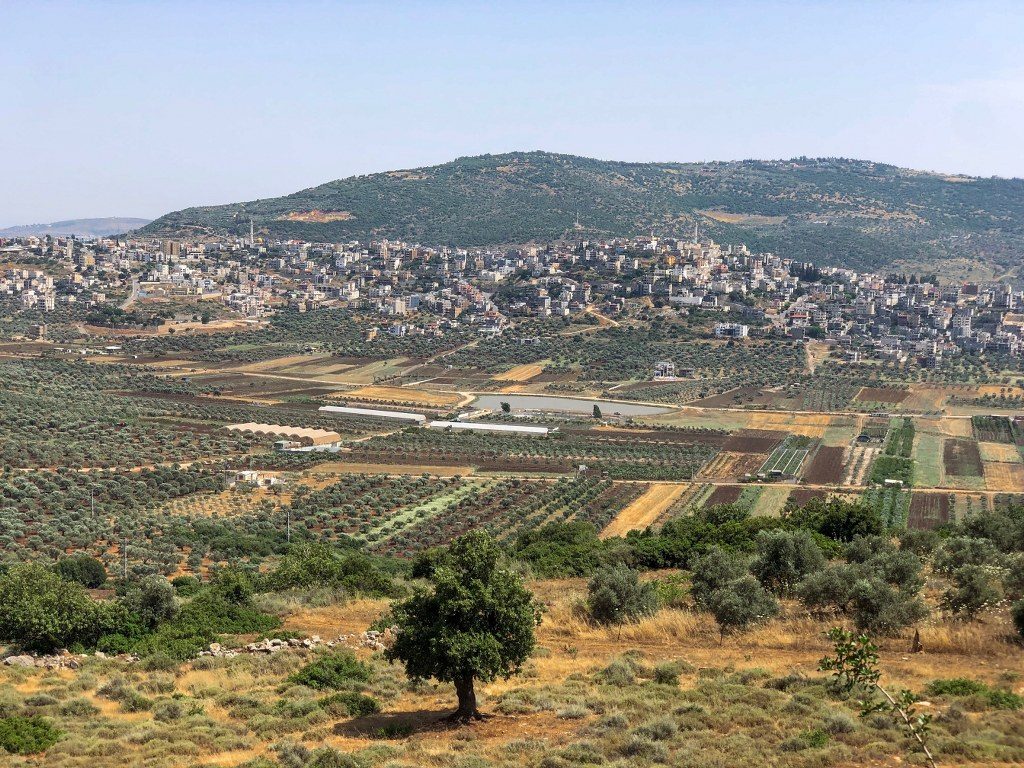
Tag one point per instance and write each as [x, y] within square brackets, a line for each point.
[730, 465]
[827, 467]
[635, 458]
[886, 395]
[858, 467]
[646, 510]
[929, 510]
[962, 458]
[402, 396]
[993, 429]
[786, 460]
[892, 504]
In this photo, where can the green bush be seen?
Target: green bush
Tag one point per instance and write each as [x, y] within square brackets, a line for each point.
[1018, 617]
[82, 569]
[956, 686]
[350, 703]
[27, 735]
[186, 586]
[43, 612]
[980, 693]
[616, 595]
[336, 671]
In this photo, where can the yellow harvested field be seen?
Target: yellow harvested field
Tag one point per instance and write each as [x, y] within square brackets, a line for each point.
[278, 363]
[946, 427]
[403, 395]
[999, 452]
[1004, 477]
[645, 510]
[808, 424]
[520, 372]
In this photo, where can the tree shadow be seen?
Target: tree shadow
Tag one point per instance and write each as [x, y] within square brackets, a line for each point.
[396, 725]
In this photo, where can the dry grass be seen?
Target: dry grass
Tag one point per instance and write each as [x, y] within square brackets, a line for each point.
[999, 452]
[403, 395]
[1004, 477]
[807, 424]
[645, 510]
[520, 372]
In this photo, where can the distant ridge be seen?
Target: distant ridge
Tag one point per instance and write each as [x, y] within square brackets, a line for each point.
[113, 225]
[831, 210]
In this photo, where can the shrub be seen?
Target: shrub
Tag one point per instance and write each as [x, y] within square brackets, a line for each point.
[78, 707]
[980, 693]
[186, 586]
[307, 565]
[741, 603]
[560, 549]
[152, 601]
[839, 722]
[957, 686]
[350, 704]
[965, 550]
[328, 757]
[1018, 617]
[784, 558]
[43, 612]
[616, 595]
[667, 673]
[332, 672]
[27, 735]
[974, 588]
[713, 571]
[82, 569]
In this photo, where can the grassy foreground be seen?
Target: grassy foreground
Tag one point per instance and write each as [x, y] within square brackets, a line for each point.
[666, 690]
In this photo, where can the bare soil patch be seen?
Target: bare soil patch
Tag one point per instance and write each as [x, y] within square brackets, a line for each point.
[929, 510]
[962, 458]
[827, 466]
[754, 441]
[724, 494]
[881, 395]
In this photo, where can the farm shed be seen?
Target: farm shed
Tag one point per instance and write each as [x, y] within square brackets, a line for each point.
[475, 426]
[301, 435]
[378, 414]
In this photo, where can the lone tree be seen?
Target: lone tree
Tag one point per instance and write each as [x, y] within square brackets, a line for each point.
[476, 622]
[597, 411]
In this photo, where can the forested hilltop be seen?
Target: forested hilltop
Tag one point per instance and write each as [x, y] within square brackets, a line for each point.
[831, 210]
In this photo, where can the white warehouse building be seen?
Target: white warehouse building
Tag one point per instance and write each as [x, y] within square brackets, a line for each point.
[377, 414]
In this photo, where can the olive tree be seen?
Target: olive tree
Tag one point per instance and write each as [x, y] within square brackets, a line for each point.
[475, 622]
[615, 595]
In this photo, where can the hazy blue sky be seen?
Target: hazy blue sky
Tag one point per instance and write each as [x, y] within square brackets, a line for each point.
[136, 109]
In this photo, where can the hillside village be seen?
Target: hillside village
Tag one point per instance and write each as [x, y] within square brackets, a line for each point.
[425, 290]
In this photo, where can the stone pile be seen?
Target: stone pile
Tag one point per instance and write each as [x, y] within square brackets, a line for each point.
[372, 639]
[60, 660]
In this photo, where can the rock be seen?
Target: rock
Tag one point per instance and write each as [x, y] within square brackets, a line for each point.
[100, 655]
[215, 647]
[20, 661]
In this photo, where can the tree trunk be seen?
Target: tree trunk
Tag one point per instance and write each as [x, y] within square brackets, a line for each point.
[467, 701]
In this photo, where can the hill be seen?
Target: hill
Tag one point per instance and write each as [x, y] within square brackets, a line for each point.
[81, 227]
[850, 212]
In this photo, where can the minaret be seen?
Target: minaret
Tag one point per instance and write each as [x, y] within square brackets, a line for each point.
[696, 236]
[252, 234]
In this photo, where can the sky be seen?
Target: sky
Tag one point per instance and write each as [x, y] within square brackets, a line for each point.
[140, 108]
